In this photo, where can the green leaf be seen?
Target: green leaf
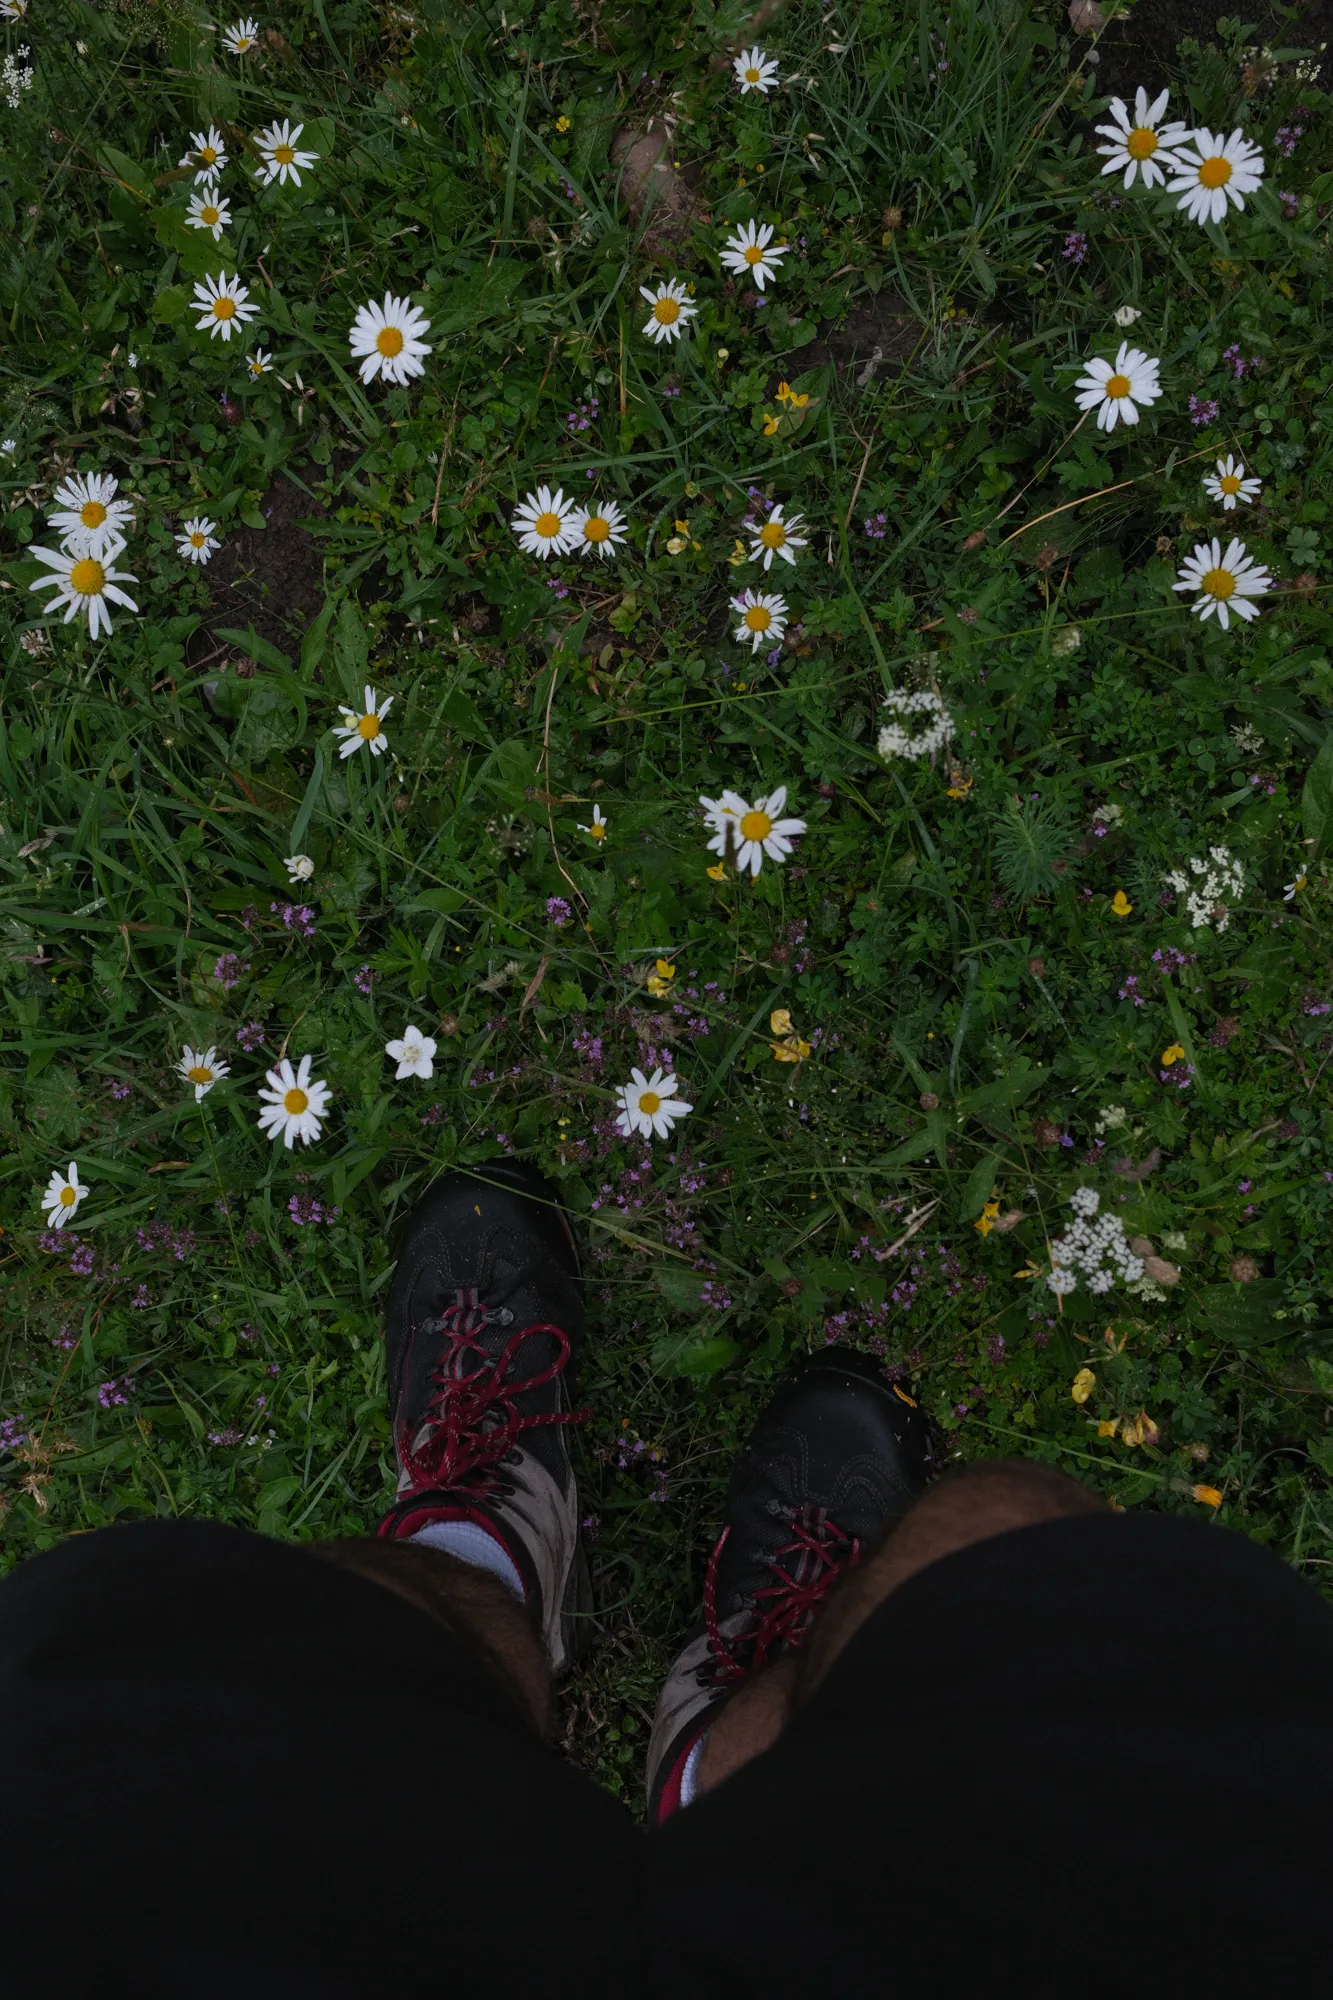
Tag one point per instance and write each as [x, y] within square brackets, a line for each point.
[129, 173]
[1317, 800]
[1242, 1315]
[255, 648]
[170, 304]
[694, 1355]
[979, 1184]
[308, 803]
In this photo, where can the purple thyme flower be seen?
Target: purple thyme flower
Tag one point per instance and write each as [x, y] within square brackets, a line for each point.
[230, 1436]
[115, 1393]
[1291, 204]
[81, 1263]
[1201, 412]
[1076, 247]
[877, 526]
[363, 979]
[120, 1091]
[228, 970]
[142, 1297]
[12, 1432]
[251, 1036]
[297, 917]
[558, 911]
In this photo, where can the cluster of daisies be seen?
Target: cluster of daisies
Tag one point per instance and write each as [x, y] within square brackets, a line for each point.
[93, 524]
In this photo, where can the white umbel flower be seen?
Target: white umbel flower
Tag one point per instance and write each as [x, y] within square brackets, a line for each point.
[752, 251]
[1212, 171]
[413, 1053]
[776, 537]
[63, 1194]
[87, 513]
[207, 154]
[389, 337]
[1116, 389]
[299, 867]
[671, 310]
[754, 70]
[222, 304]
[294, 1104]
[597, 830]
[85, 584]
[208, 211]
[201, 1068]
[1141, 144]
[763, 618]
[1221, 875]
[197, 540]
[931, 733]
[366, 728]
[240, 37]
[282, 162]
[1230, 484]
[749, 832]
[649, 1105]
[1093, 1246]
[597, 530]
[1226, 583]
[544, 523]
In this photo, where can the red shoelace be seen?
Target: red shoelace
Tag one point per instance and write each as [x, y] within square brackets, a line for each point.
[802, 1570]
[472, 1421]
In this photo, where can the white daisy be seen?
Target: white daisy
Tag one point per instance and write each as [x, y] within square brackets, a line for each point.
[294, 1103]
[597, 830]
[282, 162]
[207, 154]
[752, 249]
[1225, 582]
[221, 302]
[197, 540]
[763, 617]
[88, 515]
[1290, 890]
[366, 727]
[84, 584]
[240, 37]
[201, 1068]
[597, 530]
[208, 211]
[544, 523]
[671, 310]
[1229, 483]
[776, 537]
[299, 867]
[389, 336]
[751, 831]
[63, 1194]
[649, 1104]
[9, 447]
[755, 71]
[1216, 172]
[1126, 315]
[1141, 144]
[412, 1053]
[259, 363]
[14, 10]
[1115, 389]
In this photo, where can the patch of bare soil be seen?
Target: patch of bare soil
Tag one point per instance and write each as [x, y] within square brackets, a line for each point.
[272, 577]
[1140, 47]
[878, 332]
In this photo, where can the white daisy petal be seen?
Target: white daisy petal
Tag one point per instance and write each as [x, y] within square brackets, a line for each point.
[294, 1104]
[240, 38]
[366, 729]
[413, 1052]
[90, 518]
[671, 310]
[1117, 389]
[63, 1194]
[544, 523]
[754, 70]
[222, 303]
[1227, 583]
[388, 336]
[763, 619]
[197, 540]
[1140, 144]
[83, 583]
[751, 251]
[282, 161]
[649, 1105]
[1213, 171]
[776, 537]
[201, 1068]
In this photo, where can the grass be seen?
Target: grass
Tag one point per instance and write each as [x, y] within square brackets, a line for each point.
[985, 1028]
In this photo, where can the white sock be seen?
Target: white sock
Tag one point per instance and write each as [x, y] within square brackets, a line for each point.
[469, 1541]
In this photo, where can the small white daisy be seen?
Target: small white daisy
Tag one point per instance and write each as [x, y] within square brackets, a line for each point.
[597, 530]
[412, 1053]
[197, 540]
[84, 584]
[597, 830]
[14, 10]
[87, 513]
[1291, 890]
[389, 337]
[1141, 145]
[259, 363]
[201, 1068]
[207, 154]
[1215, 172]
[367, 727]
[751, 831]
[755, 71]
[1116, 389]
[63, 1194]
[240, 37]
[763, 617]
[776, 537]
[9, 447]
[299, 867]
[753, 250]
[208, 211]
[671, 310]
[294, 1103]
[1126, 315]
[1229, 483]
[282, 162]
[649, 1105]
[544, 523]
[1226, 583]
[222, 305]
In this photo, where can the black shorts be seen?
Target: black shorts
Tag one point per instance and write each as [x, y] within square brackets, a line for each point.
[1094, 1756]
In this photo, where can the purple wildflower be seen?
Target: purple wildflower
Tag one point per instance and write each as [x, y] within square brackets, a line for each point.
[1202, 412]
[297, 917]
[115, 1393]
[363, 979]
[228, 970]
[1291, 204]
[1076, 247]
[81, 1263]
[142, 1297]
[877, 526]
[558, 911]
[120, 1091]
[251, 1036]
[230, 1436]
[304, 1208]
[12, 1432]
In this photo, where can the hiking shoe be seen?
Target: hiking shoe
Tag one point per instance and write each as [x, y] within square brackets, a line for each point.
[484, 1323]
[836, 1456]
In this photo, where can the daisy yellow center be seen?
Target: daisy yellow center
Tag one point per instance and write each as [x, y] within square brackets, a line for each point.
[67, 1197]
[209, 215]
[666, 311]
[753, 254]
[294, 1103]
[1117, 386]
[650, 1102]
[208, 154]
[92, 513]
[368, 727]
[224, 308]
[1141, 143]
[548, 526]
[752, 75]
[200, 1073]
[756, 826]
[758, 618]
[88, 578]
[242, 43]
[597, 830]
[284, 155]
[596, 528]
[1216, 172]
[389, 340]
[1219, 583]
[197, 540]
[1230, 482]
[773, 535]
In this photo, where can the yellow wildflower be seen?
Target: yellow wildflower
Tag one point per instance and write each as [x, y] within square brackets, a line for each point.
[1109, 1428]
[792, 1050]
[563, 124]
[660, 985]
[737, 554]
[1207, 1496]
[985, 1221]
[1120, 904]
[1174, 1054]
[717, 873]
[1083, 1385]
[682, 527]
[1140, 1430]
[770, 424]
[779, 1021]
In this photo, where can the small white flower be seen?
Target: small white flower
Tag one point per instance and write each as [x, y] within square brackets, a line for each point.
[9, 447]
[1220, 875]
[1292, 889]
[763, 616]
[207, 154]
[749, 832]
[755, 71]
[240, 37]
[672, 310]
[412, 1053]
[1141, 144]
[88, 515]
[389, 336]
[208, 211]
[597, 830]
[197, 540]
[294, 1104]
[752, 250]
[1115, 389]
[776, 537]
[896, 740]
[597, 530]
[1229, 483]
[201, 1068]
[259, 363]
[222, 305]
[1225, 583]
[544, 523]
[282, 162]
[299, 867]
[131, 359]
[13, 10]
[1216, 172]
[63, 1195]
[648, 1105]
[1094, 1244]
[367, 727]
[1126, 315]
[84, 584]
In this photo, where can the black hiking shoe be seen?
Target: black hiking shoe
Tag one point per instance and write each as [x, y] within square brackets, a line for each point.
[483, 1329]
[836, 1456]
